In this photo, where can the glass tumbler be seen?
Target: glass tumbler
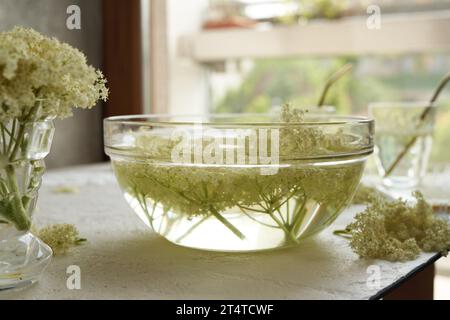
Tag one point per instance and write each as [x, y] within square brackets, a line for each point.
[403, 141]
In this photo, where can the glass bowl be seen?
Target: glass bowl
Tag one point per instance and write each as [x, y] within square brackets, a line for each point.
[238, 183]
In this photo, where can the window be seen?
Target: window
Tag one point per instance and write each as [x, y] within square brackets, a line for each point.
[287, 54]
[258, 54]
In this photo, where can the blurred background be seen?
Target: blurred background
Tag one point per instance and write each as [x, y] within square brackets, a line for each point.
[221, 56]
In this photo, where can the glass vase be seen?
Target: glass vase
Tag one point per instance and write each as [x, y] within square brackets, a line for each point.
[403, 142]
[24, 145]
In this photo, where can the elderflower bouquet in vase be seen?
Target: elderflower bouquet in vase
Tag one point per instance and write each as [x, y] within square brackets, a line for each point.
[40, 79]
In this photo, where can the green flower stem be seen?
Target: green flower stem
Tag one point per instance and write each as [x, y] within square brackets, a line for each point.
[219, 217]
[17, 213]
[17, 210]
[11, 136]
[254, 219]
[251, 209]
[226, 223]
[17, 143]
[282, 226]
[298, 217]
[288, 216]
[423, 116]
[143, 204]
[343, 233]
[290, 229]
[192, 228]
[3, 137]
[333, 78]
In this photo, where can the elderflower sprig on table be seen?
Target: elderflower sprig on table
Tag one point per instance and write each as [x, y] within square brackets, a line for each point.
[396, 231]
[60, 237]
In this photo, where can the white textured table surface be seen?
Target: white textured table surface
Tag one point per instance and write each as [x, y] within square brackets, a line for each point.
[125, 260]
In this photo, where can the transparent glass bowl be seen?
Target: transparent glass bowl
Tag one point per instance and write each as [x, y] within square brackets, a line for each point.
[238, 183]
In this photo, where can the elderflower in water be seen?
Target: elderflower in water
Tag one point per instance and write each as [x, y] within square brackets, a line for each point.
[233, 206]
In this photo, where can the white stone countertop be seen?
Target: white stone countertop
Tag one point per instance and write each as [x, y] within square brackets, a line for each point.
[124, 260]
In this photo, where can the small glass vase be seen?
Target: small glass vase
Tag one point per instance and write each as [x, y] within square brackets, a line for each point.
[403, 142]
[23, 146]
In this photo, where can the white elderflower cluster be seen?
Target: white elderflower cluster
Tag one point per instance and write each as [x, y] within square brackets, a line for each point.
[396, 231]
[37, 69]
[60, 237]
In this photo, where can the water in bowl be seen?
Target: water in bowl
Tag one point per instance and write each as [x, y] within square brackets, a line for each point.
[231, 208]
